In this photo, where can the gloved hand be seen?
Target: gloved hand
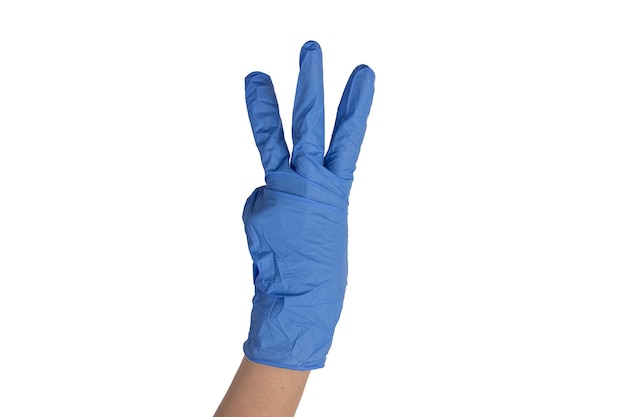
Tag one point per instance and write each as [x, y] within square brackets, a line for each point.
[296, 225]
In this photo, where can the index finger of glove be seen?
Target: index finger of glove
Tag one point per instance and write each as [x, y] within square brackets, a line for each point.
[350, 124]
[267, 126]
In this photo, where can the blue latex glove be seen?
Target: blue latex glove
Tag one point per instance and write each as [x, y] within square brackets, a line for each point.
[296, 224]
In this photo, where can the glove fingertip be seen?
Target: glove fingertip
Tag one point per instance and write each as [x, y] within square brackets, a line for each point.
[365, 70]
[257, 77]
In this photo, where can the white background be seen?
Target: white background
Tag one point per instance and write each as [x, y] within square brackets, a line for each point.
[487, 218]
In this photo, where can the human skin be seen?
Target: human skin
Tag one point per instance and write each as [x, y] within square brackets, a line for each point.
[260, 390]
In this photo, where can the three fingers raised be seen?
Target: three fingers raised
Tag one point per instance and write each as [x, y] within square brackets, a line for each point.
[308, 117]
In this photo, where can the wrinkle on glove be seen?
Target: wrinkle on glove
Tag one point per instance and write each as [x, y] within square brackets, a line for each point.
[296, 225]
